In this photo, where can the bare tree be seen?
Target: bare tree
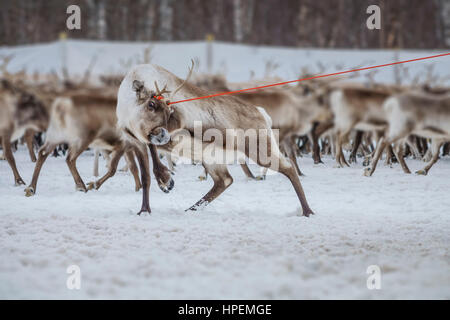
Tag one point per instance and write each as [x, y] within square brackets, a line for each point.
[305, 23]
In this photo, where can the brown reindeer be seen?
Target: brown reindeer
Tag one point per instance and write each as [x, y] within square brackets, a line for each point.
[356, 108]
[293, 114]
[20, 112]
[145, 116]
[422, 114]
[82, 120]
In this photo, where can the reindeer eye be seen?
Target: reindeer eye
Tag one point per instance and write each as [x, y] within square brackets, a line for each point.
[152, 105]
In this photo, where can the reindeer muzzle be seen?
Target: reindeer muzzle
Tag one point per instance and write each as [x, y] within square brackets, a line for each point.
[159, 136]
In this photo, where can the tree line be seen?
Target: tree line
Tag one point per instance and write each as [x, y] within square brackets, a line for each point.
[301, 23]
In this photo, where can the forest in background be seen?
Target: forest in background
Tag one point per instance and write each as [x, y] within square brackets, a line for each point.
[420, 24]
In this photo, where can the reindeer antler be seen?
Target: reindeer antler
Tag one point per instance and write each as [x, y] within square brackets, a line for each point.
[187, 78]
[6, 60]
[88, 71]
[161, 92]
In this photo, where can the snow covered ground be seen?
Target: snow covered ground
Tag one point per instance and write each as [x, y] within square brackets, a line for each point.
[248, 244]
[235, 61]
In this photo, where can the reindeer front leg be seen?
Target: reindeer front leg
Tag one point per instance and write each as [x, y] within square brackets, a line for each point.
[382, 144]
[356, 143]
[7, 152]
[287, 146]
[43, 153]
[317, 130]
[400, 155]
[142, 157]
[162, 174]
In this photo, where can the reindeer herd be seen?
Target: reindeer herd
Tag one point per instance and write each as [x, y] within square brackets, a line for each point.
[137, 118]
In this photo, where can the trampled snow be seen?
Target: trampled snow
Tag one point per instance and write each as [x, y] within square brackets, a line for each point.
[251, 242]
[248, 244]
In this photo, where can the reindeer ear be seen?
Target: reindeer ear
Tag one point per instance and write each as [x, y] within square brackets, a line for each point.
[138, 86]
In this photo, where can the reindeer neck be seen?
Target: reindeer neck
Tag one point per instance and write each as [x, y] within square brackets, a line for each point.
[175, 121]
[184, 116]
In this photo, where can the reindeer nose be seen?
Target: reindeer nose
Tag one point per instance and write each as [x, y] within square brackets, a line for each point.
[159, 136]
[157, 131]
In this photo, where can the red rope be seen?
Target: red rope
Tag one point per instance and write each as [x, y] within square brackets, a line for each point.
[310, 78]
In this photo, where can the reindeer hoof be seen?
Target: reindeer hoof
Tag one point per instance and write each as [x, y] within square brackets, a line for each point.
[200, 205]
[422, 172]
[81, 188]
[29, 192]
[2, 157]
[137, 188]
[19, 182]
[91, 186]
[166, 187]
[307, 213]
[367, 172]
[144, 210]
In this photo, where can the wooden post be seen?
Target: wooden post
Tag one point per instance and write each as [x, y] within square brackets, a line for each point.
[63, 41]
[209, 52]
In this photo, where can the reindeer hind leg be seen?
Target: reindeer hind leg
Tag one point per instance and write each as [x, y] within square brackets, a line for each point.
[276, 161]
[29, 139]
[112, 168]
[129, 157]
[399, 152]
[435, 147]
[71, 160]
[222, 180]
[248, 173]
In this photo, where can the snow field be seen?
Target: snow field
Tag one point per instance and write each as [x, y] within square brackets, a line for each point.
[248, 244]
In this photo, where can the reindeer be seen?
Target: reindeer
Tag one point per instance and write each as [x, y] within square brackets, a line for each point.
[293, 114]
[20, 112]
[146, 117]
[419, 113]
[356, 108]
[82, 120]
